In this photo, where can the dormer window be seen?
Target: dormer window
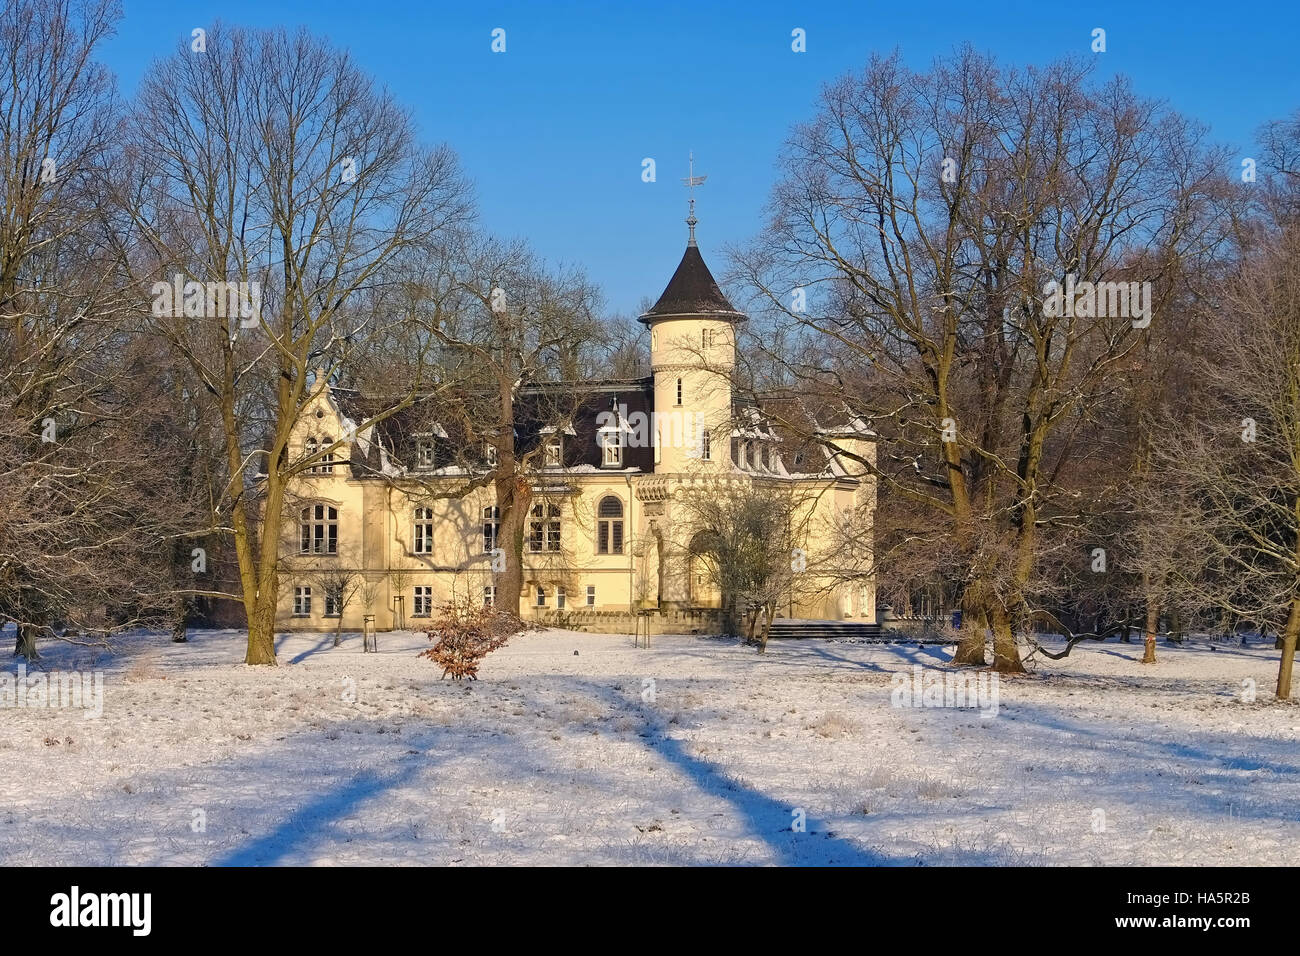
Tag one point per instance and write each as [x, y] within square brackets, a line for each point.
[490, 454]
[613, 457]
[610, 439]
[425, 453]
[553, 451]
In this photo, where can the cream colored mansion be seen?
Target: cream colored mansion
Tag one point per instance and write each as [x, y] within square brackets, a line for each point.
[609, 535]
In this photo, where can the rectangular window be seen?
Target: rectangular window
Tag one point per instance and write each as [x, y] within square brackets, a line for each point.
[490, 455]
[491, 528]
[423, 605]
[559, 599]
[489, 596]
[679, 391]
[333, 602]
[302, 602]
[591, 595]
[319, 530]
[423, 537]
[706, 446]
[541, 597]
[609, 536]
[425, 455]
[544, 529]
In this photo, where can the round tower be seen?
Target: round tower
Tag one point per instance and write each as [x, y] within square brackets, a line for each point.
[692, 356]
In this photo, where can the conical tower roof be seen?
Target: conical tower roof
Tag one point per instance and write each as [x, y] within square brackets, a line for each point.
[692, 291]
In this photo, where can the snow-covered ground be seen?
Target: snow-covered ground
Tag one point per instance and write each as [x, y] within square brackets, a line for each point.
[693, 751]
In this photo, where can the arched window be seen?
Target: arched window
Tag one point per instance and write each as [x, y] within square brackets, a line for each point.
[422, 539]
[320, 529]
[609, 526]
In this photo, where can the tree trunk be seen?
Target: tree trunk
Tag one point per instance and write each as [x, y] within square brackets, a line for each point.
[261, 633]
[1006, 655]
[25, 645]
[1153, 619]
[768, 612]
[970, 649]
[180, 611]
[1288, 652]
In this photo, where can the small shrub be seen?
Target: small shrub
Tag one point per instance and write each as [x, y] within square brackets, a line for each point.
[464, 633]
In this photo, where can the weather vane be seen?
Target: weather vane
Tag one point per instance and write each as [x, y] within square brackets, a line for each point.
[690, 182]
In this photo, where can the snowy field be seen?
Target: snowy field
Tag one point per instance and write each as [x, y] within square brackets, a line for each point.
[694, 751]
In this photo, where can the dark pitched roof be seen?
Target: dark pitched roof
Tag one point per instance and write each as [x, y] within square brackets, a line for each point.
[453, 420]
[692, 291]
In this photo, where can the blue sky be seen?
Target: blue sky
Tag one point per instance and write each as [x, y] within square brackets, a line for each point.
[553, 131]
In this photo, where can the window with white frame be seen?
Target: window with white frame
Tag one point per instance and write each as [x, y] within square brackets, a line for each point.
[323, 465]
[490, 454]
[609, 526]
[559, 599]
[612, 443]
[302, 601]
[425, 453]
[489, 595]
[541, 596]
[319, 527]
[423, 604]
[591, 595]
[422, 538]
[326, 466]
[491, 528]
[553, 451]
[333, 601]
[544, 529]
